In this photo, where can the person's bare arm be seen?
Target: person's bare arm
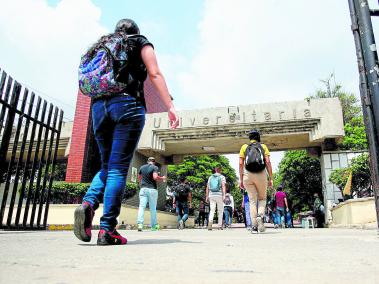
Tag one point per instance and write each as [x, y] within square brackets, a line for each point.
[206, 193]
[242, 161]
[190, 199]
[156, 177]
[139, 178]
[223, 189]
[156, 77]
[269, 169]
[285, 201]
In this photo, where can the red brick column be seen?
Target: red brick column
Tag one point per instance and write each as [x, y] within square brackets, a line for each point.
[83, 152]
[79, 139]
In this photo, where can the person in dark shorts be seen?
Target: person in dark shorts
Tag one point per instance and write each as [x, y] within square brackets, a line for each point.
[117, 121]
[148, 176]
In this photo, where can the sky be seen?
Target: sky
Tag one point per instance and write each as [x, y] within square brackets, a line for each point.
[212, 52]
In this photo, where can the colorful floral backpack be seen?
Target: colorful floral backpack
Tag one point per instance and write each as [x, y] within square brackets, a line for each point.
[103, 70]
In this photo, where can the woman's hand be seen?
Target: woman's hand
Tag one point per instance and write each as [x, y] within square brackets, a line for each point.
[173, 118]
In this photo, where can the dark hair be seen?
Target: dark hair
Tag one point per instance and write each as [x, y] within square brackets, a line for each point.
[254, 135]
[127, 26]
[123, 27]
[182, 179]
[280, 187]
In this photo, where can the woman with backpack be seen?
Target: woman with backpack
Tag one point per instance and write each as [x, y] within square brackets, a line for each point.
[112, 73]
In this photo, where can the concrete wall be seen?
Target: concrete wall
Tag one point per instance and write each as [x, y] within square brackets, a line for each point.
[327, 112]
[354, 212]
[63, 214]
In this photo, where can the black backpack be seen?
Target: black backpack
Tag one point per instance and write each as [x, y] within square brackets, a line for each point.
[182, 191]
[255, 158]
[227, 200]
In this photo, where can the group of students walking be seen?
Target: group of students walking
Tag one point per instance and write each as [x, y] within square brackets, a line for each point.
[112, 73]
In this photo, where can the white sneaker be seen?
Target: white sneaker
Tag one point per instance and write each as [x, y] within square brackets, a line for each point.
[210, 224]
[181, 225]
[261, 226]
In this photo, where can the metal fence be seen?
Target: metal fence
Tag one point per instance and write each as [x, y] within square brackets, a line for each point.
[29, 136]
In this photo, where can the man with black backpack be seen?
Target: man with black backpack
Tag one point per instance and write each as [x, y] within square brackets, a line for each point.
[182, 196]
[215, 194]
[253, 164]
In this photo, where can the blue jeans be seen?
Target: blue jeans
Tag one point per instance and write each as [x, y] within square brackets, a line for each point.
[247, 213]
[228, 211]
[182, 206]
[148, 195]
[279, 215]
[117, 124]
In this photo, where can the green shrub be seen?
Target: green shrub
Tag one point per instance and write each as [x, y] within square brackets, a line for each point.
[72, 193]
[361, 182]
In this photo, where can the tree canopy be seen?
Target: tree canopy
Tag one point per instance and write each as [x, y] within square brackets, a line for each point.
[349, 102]
[197, 170]
[355, 135]
[301, 176]
[361, 182]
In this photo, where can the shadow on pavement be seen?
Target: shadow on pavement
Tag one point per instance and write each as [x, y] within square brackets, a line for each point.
[159, 241]
[147, 242]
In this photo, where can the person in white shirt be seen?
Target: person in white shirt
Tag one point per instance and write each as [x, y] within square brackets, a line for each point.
[215, 194]
[228, 208]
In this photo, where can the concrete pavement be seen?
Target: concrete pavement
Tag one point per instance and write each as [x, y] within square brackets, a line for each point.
[194, 256]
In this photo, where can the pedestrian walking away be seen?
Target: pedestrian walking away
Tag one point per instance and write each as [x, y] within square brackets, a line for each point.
[202, 213]
[228, 208]
[246, 206]
[112, 73]
[318, 211]
[182, 197]
[281, 207]
[215, 193]
[254, 166]
[207, 211]
[148, 177]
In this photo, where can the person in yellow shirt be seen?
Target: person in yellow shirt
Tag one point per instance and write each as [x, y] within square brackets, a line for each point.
[254, 166]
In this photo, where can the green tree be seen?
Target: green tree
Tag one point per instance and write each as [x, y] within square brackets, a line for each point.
[301, 176]
[197, 169]
[361, 182]
[355, 135]
[349, 102]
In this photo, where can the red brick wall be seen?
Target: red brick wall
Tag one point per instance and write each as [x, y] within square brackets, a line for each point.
[82, 142]
[79, 138]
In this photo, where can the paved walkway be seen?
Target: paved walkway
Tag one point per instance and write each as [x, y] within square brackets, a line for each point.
[194, 256]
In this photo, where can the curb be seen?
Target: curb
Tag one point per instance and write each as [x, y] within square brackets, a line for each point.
[70, 227]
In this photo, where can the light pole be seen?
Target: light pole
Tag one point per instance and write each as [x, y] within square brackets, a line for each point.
[367, 57]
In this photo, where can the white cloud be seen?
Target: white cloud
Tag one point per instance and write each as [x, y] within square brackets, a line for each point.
[41, 45]
[266, 51]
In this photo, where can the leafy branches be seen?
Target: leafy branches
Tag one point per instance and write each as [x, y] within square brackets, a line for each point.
[197, 170]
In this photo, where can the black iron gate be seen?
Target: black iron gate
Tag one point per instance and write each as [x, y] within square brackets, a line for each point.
[29, 137]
